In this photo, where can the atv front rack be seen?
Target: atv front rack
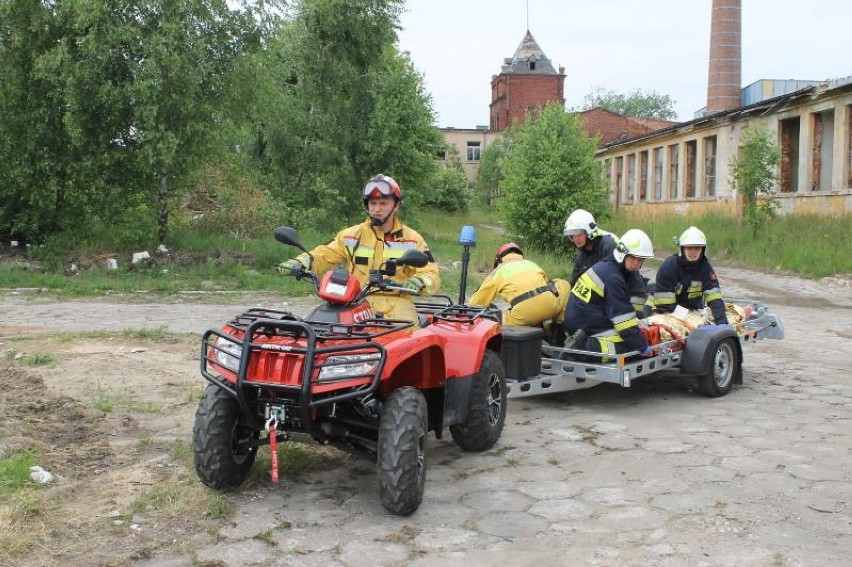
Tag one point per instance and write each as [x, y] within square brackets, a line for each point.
[325, 331]
[224, 353]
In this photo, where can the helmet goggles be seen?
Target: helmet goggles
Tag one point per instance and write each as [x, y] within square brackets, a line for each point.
[375, 189]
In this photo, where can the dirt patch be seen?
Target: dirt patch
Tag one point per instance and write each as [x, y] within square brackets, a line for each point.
[110, 419]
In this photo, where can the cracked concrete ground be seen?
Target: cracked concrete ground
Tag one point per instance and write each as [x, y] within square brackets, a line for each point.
[651, 475]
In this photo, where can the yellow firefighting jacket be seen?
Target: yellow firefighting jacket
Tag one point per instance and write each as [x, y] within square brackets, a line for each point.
[363, 248]
[515, 277]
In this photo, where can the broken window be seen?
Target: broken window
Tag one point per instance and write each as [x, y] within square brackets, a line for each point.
[658, 173]
[674, 171]
[691, 170]
[473, 151]
[790, 155]
[631, 178]
[619, 177]
[849, 146]
[643, 175]
[823, 150]
[710, 166]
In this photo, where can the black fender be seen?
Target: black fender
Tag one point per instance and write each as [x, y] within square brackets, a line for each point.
[701, 345]
[456, 399]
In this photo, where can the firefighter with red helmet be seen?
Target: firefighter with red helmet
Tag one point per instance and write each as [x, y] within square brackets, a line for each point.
[521, 283]
[369, 245]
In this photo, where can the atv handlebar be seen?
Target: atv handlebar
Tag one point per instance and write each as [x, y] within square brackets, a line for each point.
[377, 283]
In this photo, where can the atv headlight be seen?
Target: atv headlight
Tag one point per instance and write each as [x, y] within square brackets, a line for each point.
[349, 366]
[228, 353]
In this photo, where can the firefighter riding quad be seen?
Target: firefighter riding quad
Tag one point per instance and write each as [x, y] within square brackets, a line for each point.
[344, 377]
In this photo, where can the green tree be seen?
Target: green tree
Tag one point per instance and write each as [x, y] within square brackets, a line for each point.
[341, 104]
[488, 185]
[34, 149]
[753, 175]
[644, 104]
[132, 96]
[450, 191]
[548, 171]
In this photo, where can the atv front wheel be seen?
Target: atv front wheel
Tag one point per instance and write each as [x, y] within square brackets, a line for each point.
[223, 444]
[487, 407]
[402, 451]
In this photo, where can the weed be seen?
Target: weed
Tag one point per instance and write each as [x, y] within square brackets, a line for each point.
[181, 453]
[588, 434]
[266, 537]
[217, 506]
[553, 462]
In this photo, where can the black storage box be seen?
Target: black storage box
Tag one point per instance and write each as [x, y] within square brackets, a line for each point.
[521, 353]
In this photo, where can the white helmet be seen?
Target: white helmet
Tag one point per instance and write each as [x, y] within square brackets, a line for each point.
[634, 243]
[579, 221]
[692, 236]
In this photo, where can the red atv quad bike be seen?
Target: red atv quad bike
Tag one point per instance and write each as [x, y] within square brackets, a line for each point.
[344, 377]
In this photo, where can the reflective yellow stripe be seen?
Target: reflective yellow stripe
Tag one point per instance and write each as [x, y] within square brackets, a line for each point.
[712, 296]
[510, 269]
[587, 284]
[625, 322]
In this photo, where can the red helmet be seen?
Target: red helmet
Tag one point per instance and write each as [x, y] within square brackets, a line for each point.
[382, 186]
[507, 248]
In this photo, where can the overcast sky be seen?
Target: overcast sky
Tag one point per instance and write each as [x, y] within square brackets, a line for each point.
[620, 45]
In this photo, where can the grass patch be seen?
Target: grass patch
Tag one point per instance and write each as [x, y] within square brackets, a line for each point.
[295, 461]
[25, 523]
[26, 359]
[15, 471]
[107, 402]
[807, 245]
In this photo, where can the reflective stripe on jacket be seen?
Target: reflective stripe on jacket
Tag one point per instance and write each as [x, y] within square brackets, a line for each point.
[514, 277]
[362, 249]
[600, 305]
[689, 284]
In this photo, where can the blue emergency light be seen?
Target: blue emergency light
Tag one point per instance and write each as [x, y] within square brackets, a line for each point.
[468, 235]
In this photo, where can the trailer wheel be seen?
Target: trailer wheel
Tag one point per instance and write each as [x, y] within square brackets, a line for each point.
[723, 368]
[223, 444]
[402, 451]
[487, 407]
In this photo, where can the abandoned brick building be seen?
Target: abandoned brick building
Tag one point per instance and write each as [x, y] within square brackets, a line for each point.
[655, 167]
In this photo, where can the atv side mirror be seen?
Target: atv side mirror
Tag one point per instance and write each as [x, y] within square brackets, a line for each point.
[414, 258]
[290, 236]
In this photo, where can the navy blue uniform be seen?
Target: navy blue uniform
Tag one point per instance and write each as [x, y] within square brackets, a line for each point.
[689, 284]
[603, 244]
[600, 305]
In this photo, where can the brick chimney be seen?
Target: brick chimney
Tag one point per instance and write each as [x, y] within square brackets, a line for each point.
[724, 79]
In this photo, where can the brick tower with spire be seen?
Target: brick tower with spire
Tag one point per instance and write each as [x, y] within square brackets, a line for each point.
[527, 81]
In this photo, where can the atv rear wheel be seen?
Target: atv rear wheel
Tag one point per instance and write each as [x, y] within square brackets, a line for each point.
[487, 407]
[723, 369]
[402, 451]
[223, 444]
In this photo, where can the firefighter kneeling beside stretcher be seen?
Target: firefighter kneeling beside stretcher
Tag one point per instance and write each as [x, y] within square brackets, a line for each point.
[521, 283]
[599, 304]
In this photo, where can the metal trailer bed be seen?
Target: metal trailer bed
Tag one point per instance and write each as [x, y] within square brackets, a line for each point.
[564, 369]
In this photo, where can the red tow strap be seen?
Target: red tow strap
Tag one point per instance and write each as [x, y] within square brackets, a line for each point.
[273, 448]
